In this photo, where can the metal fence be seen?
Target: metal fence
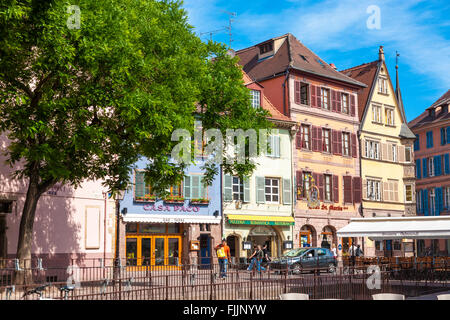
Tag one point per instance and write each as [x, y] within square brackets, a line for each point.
[114, 280]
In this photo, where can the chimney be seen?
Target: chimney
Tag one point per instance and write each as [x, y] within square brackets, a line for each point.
[333, 66]
[381, 53]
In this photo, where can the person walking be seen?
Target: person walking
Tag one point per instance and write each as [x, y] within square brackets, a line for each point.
[266, 256]
[333, 249]
[358, 251]
[256, 258]
[223, 255]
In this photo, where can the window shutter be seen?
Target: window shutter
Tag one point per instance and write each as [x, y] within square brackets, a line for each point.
[384, 151]
[319, 139]
[314, 97]
[425, 202]
[363, 148]
[437, 165]
[228, 188]
[139, 184]
[333, 101]
[364, 186]
[354, 146]
[336, 189]
[425, 167]
[347, 189]
[419, 198]
[287, 191]
[443, 136]
[277, 146]
[297, 92]
[339, 142]
[334, 142]
[298, 139]
[319, 97]
[439, 201]
[417, 143]
[401, 153]
[357, 189]
[448, 135]
[386, 192]
[299, 182]
[418, 169]
[446, 163]
[195, 187]
[260, 194]
[187, 187]
[338, 101]
[318, 177]
[246, 189]
[352, 105]
[395, 191]
[314, 138]
[389, 152]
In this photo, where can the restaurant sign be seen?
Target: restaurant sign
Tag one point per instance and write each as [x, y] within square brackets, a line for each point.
[164, 208]
[257, 222]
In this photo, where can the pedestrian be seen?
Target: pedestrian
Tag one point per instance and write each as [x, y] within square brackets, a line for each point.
[333, 249]
[256, 258]
[358, 251]
[223, 255]
[266, 256]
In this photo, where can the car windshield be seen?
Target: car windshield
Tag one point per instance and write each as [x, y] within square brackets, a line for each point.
[295, 252]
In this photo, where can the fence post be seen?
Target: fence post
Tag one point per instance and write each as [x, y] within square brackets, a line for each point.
[251, 286]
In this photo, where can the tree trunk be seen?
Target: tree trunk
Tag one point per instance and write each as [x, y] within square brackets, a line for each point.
[24, 276]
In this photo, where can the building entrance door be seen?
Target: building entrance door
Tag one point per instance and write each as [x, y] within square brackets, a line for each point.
[205, 251]
[153, 251]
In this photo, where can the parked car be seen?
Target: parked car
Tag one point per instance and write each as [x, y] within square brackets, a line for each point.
[305, 259]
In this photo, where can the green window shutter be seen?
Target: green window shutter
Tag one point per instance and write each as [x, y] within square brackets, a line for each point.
[247, 189]
[277, 146]
[287, 191]
[204, 189]
[187, 187]
[260, 194]
[228, 188]
[195, 187]
[139, 186]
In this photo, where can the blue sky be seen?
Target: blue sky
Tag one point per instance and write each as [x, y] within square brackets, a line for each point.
[337, 31]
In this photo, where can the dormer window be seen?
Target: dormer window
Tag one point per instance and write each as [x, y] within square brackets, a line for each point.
[264, 48]
[256, 98]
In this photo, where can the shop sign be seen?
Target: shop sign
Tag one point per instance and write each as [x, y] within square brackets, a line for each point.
[325, 207]
[264, 223]
[163, 208]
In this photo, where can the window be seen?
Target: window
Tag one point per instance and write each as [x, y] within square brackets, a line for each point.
[389, 114]
[325, 98]
[443, 136]
[141, 189]
[238, 189]
[304, 93]
[382, 85]
[432, 201]
[408, 193]
[372, 150]
[345, 108]
[326, 136]
[306, 136]
[378, 245]
[256, 98]
[408, 154]
[266, 48]
[373, 190]
[397, 245]
[430, 139]
[345, 144]
[376, 114]
[328, 187]
[417, 143]
[394, 152]
[272, 188]
[306, 178]
[430, 167]
[194, 188]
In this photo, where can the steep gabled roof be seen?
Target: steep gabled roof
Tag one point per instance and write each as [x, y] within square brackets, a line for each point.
[425, 118]
[365, 73]
[291, 54]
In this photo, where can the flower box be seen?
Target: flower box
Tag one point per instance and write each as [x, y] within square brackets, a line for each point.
[174, 200]
[200, 201]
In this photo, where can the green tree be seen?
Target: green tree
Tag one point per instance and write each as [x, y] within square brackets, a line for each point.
[85, 103]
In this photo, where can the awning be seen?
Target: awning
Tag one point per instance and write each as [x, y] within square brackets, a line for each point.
[436, 227]
[260, 220]
[155, 218]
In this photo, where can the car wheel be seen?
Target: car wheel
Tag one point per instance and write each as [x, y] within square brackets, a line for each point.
[297, 269]
[331, 268]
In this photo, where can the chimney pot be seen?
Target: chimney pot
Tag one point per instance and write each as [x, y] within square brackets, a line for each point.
[381, 53]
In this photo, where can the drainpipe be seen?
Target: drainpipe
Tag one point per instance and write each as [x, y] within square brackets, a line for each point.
[105, 194]
[362, 187]
[284, 91]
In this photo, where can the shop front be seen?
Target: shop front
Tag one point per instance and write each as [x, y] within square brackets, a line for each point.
[272, 231]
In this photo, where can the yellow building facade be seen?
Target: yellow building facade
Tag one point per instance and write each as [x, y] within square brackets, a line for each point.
[387, 160]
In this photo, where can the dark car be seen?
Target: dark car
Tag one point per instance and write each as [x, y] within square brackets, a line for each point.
[303, 259]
